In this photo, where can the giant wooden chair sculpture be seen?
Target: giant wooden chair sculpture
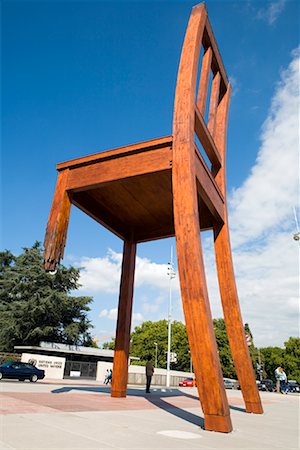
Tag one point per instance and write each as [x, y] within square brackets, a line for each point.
[163, 188]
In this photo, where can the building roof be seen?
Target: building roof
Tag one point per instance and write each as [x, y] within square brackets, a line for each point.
[57, 348]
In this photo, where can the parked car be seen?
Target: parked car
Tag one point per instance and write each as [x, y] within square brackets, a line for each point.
[21, 371]
[266, 385]
[229, 384]
[188, 382]
[293, 386]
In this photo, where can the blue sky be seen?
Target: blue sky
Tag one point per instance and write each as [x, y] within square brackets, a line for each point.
[85, 76]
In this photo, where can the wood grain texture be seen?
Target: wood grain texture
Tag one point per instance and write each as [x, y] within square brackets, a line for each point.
[207, 141]
[209, 40]
[140, 147]
[187, 229]
[208, 189]
[204, 80]
[214, 101]
[57, 227]
[228, 290]
[120, 366]
[93, 175]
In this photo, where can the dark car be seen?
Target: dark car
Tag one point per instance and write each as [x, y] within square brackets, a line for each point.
[293, 386]
[188, 382]
[21, 371]
[267, 385]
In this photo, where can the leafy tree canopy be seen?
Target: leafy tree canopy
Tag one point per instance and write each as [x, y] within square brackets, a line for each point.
[37, 306]
[144, 337]
[288, 358]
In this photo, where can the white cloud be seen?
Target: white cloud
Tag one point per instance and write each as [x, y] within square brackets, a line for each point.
[109, 314]
[261, 217]
[150, 305]
[102, 275]
[112, 314]
[267, 197]
[234, 85]
[266, 258]
[271, 13]
[137, 317]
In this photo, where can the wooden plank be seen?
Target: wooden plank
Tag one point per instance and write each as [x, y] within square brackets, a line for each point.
[91, 176]
[208, 189]
[214, 100]
[228, 290]
[204, 80]
[153, 194]
[220, 137]
[206, 140]
[123, 205]
[57, 226]
[120, 367]
[189, 252]
[217, 63]
[152, 144]
[234, 322]
[97, 211]
[147, 235]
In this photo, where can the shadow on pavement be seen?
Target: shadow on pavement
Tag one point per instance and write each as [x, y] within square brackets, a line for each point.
[157, 398]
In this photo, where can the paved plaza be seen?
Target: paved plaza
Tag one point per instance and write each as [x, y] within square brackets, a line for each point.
[72, 415]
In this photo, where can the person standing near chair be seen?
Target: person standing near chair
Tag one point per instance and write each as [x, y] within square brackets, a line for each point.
[281, 380]
[149, 373]
[277, 376]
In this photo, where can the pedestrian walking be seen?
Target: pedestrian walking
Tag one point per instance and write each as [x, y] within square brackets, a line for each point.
[108, 376]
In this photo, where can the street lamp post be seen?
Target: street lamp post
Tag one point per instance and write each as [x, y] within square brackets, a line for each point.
[296, 235]
[191, 362]
[156, 345]
[171, 275]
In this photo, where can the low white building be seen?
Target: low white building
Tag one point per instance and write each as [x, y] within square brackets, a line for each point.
[62, 361]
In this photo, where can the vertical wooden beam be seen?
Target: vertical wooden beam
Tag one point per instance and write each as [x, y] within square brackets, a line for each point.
[120, 366]
[204, 80]
[57, 227]
[187, 231]
[214, 99]
[228, 291]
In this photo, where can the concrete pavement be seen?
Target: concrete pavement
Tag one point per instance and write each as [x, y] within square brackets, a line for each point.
[67, 416]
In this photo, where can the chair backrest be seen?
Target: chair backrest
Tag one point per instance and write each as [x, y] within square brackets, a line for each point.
[191, 100]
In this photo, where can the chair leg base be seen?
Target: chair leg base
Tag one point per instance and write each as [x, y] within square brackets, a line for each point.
[255, 408]
[221, 424]
[118, 394]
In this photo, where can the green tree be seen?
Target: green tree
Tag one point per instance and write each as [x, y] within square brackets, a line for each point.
[144, 337]
[224, 349]
[271, 357]
[109, 345]
[252, 349]
[36, 306]
[292, 358]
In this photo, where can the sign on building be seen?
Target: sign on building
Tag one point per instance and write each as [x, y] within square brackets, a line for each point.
[53, 366]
